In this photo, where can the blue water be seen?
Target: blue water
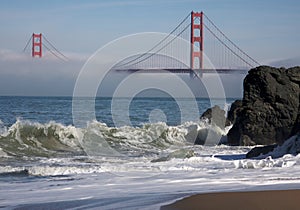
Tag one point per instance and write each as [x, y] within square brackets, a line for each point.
[46, 162]
[59, 109]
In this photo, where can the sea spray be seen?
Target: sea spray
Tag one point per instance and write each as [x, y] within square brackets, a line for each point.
[26, 138]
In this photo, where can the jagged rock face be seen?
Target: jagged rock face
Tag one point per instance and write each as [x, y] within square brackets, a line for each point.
[234, 109]
[216, 116]
[270, 108]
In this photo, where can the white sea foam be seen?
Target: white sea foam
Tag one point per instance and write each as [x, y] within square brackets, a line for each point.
[267, 162]
[290, 146]
[155, 161]
[25, 138]
[113, 183]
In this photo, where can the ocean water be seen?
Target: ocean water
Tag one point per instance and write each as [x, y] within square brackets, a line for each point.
[46, 162]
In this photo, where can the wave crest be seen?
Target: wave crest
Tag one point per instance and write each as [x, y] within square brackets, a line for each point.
[25, 138]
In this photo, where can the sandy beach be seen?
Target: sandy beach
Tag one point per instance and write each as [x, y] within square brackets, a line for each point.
[264, 200]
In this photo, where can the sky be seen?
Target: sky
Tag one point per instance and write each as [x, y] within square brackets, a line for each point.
[267, 30]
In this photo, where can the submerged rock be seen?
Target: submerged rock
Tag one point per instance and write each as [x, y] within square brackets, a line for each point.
[290, 146]
[269, 111]
[181, 153]
[261, 150]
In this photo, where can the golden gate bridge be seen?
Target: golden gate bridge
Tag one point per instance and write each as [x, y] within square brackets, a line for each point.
[209, 50]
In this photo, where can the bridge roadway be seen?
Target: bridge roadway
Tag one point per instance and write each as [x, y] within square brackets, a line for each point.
[197, 71]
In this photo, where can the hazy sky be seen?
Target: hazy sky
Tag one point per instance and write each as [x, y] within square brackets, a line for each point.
[268, 30]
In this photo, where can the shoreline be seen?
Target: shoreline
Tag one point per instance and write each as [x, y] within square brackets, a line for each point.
[249, 200]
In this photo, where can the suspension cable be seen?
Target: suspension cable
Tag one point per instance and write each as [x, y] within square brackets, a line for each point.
[53, 53]
[27, 43]
[140, 56]
[231, 41]
[55, 48]
[164, 46]
[222, 42]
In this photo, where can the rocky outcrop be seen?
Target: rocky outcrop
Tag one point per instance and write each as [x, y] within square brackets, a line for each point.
[216, 116]
[269, 111]
[211, 132]
[234, 109]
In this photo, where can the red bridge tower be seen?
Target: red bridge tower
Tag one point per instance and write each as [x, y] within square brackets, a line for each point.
[37, 45]
[196, 39]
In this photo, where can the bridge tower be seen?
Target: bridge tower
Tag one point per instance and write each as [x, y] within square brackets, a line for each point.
[196, 39]
[36, 45]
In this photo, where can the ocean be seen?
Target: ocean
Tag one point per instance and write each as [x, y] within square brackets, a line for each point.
[49, 162]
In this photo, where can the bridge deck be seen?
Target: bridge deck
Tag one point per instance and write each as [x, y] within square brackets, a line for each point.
[210, 71]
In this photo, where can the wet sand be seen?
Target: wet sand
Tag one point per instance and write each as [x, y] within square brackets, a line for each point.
[258, 200]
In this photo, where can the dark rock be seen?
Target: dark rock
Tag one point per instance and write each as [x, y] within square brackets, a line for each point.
[216, 116]
[205, 136]
[269, 111]
[201, 136]
[192, 133]
[208, 137]
[246, 141]
[290, 146]
[234, 108]
[262, 150]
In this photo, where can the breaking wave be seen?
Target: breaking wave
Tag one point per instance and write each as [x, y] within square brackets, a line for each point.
[285, 155]
[53, 149]
[25, 138]
[30, 139]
